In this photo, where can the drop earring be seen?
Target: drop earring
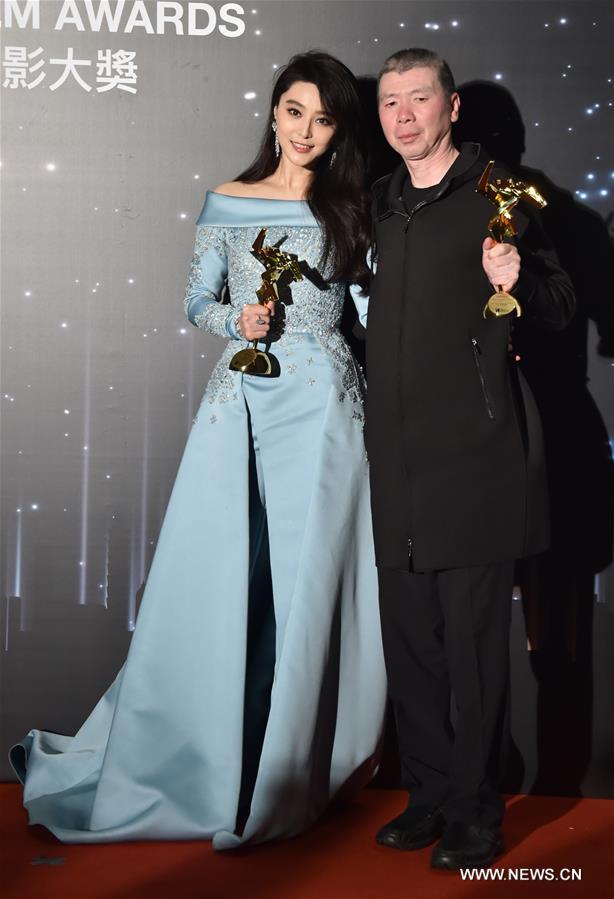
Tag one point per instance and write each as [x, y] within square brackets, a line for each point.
[332, 159]
[277, 147]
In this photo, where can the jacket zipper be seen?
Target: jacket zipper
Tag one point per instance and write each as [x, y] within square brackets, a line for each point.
[408, 217]
[476, 356]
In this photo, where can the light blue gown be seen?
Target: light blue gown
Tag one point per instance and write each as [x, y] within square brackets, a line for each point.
[222, 707]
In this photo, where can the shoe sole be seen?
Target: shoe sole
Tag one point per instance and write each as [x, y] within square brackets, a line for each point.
[449, 863]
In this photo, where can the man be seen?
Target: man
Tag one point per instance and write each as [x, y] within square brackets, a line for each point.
[454, 442]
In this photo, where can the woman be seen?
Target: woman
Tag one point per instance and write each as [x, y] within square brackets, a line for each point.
[254, 687]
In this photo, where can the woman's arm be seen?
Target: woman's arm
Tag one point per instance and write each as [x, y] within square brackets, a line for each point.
[361, 301]
[206, 280]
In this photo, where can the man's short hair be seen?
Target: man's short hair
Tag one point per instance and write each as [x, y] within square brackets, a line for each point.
[404, 60]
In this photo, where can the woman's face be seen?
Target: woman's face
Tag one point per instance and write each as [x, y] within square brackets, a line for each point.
[304, 128]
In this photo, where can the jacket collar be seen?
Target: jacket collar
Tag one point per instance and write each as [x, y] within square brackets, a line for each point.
[388, 191]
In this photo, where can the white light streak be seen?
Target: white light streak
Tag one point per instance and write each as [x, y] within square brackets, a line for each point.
[85, 468]
[18, 548]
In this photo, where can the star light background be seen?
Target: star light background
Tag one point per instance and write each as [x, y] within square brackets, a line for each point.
[101, 374]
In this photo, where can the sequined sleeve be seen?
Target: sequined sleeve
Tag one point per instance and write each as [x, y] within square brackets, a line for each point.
[206, 280]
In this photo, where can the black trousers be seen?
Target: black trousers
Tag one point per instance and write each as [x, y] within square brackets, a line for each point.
[446, 637]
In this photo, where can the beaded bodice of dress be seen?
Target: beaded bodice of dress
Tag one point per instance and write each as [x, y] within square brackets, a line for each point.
[310, 305]
[225, 233]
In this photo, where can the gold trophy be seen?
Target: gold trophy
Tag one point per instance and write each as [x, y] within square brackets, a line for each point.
[504, 194]
[252, 361]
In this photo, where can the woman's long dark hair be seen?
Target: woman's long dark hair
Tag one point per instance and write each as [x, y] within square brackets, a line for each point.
[337, 195]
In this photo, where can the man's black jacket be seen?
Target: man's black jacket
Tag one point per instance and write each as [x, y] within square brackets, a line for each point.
[452, 432]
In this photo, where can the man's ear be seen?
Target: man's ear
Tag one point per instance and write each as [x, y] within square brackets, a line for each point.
[454, 106]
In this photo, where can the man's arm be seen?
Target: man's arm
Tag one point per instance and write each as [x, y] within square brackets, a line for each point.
[531, 271]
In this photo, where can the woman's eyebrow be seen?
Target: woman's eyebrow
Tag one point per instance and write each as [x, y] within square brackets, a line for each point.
[298, 103]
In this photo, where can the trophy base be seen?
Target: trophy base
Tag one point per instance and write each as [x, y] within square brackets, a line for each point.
[255, 362]
[501, 304]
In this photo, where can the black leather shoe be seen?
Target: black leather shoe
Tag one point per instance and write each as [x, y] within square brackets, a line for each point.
[467, 846]
[414, 829]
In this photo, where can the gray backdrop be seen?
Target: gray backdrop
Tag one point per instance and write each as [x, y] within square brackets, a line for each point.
[101, 374]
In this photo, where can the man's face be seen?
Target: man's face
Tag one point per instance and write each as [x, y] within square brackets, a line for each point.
[415, 112]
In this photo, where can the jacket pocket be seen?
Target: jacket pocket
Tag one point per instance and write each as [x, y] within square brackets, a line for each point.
[477, 352]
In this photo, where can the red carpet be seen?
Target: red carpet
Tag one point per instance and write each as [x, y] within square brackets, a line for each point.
[337, 859]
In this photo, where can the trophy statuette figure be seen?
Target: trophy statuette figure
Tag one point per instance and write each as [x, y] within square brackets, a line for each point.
[504, 194]
[252, 361]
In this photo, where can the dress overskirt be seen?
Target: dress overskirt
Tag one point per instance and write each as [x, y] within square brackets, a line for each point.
[162, 754]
